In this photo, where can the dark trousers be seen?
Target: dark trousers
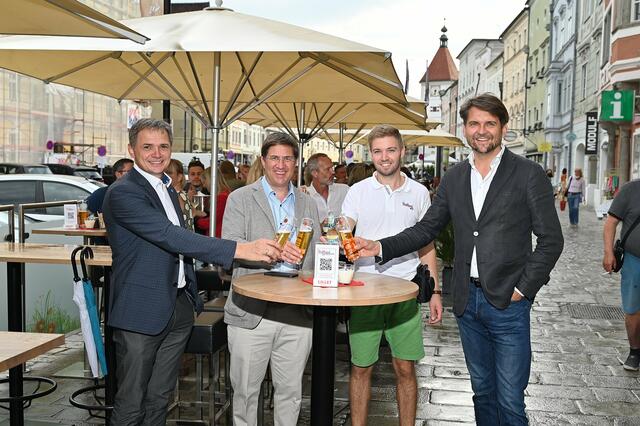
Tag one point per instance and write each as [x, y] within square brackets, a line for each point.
[497, 349]
[574, 208]
[147, 368]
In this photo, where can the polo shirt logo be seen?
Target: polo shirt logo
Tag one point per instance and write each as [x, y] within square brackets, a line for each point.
[407, 205]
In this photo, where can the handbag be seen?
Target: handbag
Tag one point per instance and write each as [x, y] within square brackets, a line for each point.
[425, 282]
[618, 247]
[566, 191]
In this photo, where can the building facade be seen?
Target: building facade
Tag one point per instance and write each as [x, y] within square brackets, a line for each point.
[535, 86]
[560, 78]
[514, 70]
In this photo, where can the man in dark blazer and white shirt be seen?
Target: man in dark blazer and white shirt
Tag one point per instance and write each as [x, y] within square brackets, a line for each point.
[495, 200]
[153, 294]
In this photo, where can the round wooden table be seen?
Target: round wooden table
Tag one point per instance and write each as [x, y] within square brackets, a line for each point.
[378, 290]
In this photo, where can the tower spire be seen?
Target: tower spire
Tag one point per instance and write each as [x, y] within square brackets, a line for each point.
[443, 38]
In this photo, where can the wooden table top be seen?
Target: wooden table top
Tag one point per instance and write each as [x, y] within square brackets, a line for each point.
[17, 348]
[377, 290]
[51, 253]
[79, 232]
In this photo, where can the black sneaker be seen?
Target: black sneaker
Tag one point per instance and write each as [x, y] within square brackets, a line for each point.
[632, 363]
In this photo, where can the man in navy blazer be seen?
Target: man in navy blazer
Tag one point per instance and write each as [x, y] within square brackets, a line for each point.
[154, 294]
[495, 200]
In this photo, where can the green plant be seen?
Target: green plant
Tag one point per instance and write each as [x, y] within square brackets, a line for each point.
[49, 318]
[445, 248]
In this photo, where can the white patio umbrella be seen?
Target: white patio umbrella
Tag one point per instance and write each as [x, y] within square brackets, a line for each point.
[61, 18]
[216, 63]
[320, 117]
[434, 138]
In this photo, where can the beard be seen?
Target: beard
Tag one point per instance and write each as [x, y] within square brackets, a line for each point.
[390, 172]
[492, 144]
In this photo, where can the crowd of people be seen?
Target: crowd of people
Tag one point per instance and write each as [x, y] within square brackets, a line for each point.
[158, 224]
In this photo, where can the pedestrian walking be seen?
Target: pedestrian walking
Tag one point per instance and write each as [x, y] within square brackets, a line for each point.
[575, 194]
[626, 209]
[562, 190]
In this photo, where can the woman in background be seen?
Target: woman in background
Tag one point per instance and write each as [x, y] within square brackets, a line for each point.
[189, 212]
[222, 193]
[576, 192]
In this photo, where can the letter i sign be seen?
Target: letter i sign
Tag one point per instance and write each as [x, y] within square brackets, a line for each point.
[617, 105]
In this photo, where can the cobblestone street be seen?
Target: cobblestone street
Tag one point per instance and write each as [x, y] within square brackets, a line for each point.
[578, 341]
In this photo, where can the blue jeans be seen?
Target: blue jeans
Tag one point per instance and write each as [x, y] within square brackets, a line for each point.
[574, 207]
[497, 349]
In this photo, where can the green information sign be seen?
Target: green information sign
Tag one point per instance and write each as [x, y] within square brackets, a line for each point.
[617, 105]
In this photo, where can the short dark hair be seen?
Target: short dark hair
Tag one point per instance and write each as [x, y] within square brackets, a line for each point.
[485, 102]
[119, 165]
[227, 168]
[339, 166]
[149, 123]
[313, 161]
[195, 163]
[279, 138]
[384, 130]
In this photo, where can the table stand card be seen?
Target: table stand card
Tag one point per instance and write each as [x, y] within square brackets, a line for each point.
[70, 216]
[325, 273]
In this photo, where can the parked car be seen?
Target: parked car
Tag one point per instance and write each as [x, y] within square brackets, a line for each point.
[73, 170]
[30, 188]
[15, 168]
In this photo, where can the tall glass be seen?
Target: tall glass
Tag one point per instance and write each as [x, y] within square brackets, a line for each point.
[284, 233]
[346, 238]
[305, 234]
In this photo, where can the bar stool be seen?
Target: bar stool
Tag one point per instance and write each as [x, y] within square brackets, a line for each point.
[208, 338]
[208, 279]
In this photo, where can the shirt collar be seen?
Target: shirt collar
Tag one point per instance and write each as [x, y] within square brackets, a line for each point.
[269, 191]
[154, 181]
[377, 185]
[494, 163]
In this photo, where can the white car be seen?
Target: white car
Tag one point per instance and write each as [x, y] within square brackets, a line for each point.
[32, 188]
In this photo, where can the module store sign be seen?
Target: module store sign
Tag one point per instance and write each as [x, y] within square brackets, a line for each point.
[617, 105]
[591, 136]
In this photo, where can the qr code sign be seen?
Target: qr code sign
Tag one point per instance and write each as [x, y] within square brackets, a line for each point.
[326, 264]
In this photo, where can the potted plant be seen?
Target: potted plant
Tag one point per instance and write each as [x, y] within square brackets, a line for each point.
[445, 252]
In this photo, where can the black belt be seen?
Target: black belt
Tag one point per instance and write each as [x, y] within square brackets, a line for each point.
[180, 291]
[475, 281]
[575, 193]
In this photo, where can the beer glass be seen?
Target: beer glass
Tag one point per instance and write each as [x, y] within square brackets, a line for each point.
[346, 238]
[305, 233]
[83, 215]
[283, 233]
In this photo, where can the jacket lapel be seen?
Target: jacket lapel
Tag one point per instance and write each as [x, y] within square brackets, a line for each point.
[140, 180]
[505, 169]
[261, 200]
[299, 207]
[466, 190]
[176, 204]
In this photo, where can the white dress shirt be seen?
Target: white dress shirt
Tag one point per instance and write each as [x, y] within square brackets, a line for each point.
[161, 188]
[333, 203]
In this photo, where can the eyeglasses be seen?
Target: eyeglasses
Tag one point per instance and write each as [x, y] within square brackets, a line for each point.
[276, 159]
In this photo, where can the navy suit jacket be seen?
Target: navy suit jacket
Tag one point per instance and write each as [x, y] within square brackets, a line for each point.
[145, 246]
[519, 202]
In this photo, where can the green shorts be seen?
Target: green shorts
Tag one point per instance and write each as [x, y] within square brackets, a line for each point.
[402, 327]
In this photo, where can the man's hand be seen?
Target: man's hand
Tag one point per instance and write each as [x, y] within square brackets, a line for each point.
[367, 248]
[516, 297]
[291, 253]
[435, 309]
[259, 250]
[608, 262]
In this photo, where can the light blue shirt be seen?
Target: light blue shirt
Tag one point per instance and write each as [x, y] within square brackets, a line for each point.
[281, 210]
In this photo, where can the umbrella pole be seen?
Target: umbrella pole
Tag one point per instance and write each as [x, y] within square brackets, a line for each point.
[215, 138]
[302, 136]
[341, 142]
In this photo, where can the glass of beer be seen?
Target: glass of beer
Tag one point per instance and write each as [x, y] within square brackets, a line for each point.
[83, 215]
[284, 233]
[346, 238]
[305, 233]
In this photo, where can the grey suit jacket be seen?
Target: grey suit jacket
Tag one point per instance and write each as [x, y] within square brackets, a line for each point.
[248, 217]
[519, 202]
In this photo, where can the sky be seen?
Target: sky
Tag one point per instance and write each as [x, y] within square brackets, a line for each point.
[409, 29]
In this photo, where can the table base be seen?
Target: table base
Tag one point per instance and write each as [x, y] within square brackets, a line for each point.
[323, 365]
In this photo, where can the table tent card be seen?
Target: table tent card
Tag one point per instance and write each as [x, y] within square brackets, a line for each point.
[325, 273]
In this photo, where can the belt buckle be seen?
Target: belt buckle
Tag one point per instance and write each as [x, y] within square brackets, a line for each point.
[475, 281]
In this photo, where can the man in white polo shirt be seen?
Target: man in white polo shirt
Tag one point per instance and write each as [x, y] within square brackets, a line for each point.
[380, 206]
[327, 194]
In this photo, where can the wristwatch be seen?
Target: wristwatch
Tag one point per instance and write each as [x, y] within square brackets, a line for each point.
[437, 291]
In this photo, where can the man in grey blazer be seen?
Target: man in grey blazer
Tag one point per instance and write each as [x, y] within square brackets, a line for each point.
[153, 294]
[259, 332]
[495, 200]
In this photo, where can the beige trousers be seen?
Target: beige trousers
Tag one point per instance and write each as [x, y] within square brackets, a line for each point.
[287, 347]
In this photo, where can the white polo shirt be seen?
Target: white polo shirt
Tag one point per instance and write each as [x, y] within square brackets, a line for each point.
[380, 212]
[337, 192]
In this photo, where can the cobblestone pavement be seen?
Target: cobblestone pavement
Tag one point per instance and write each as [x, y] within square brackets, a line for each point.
[576, 378]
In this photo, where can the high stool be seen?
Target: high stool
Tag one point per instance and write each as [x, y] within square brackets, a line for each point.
[208, 337]
[215, 305]
[208, 279]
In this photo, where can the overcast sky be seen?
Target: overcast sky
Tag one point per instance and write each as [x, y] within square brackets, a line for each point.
[409, 29]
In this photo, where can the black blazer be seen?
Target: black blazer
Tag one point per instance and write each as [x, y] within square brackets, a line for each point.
[519, 202]
[145, 246]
